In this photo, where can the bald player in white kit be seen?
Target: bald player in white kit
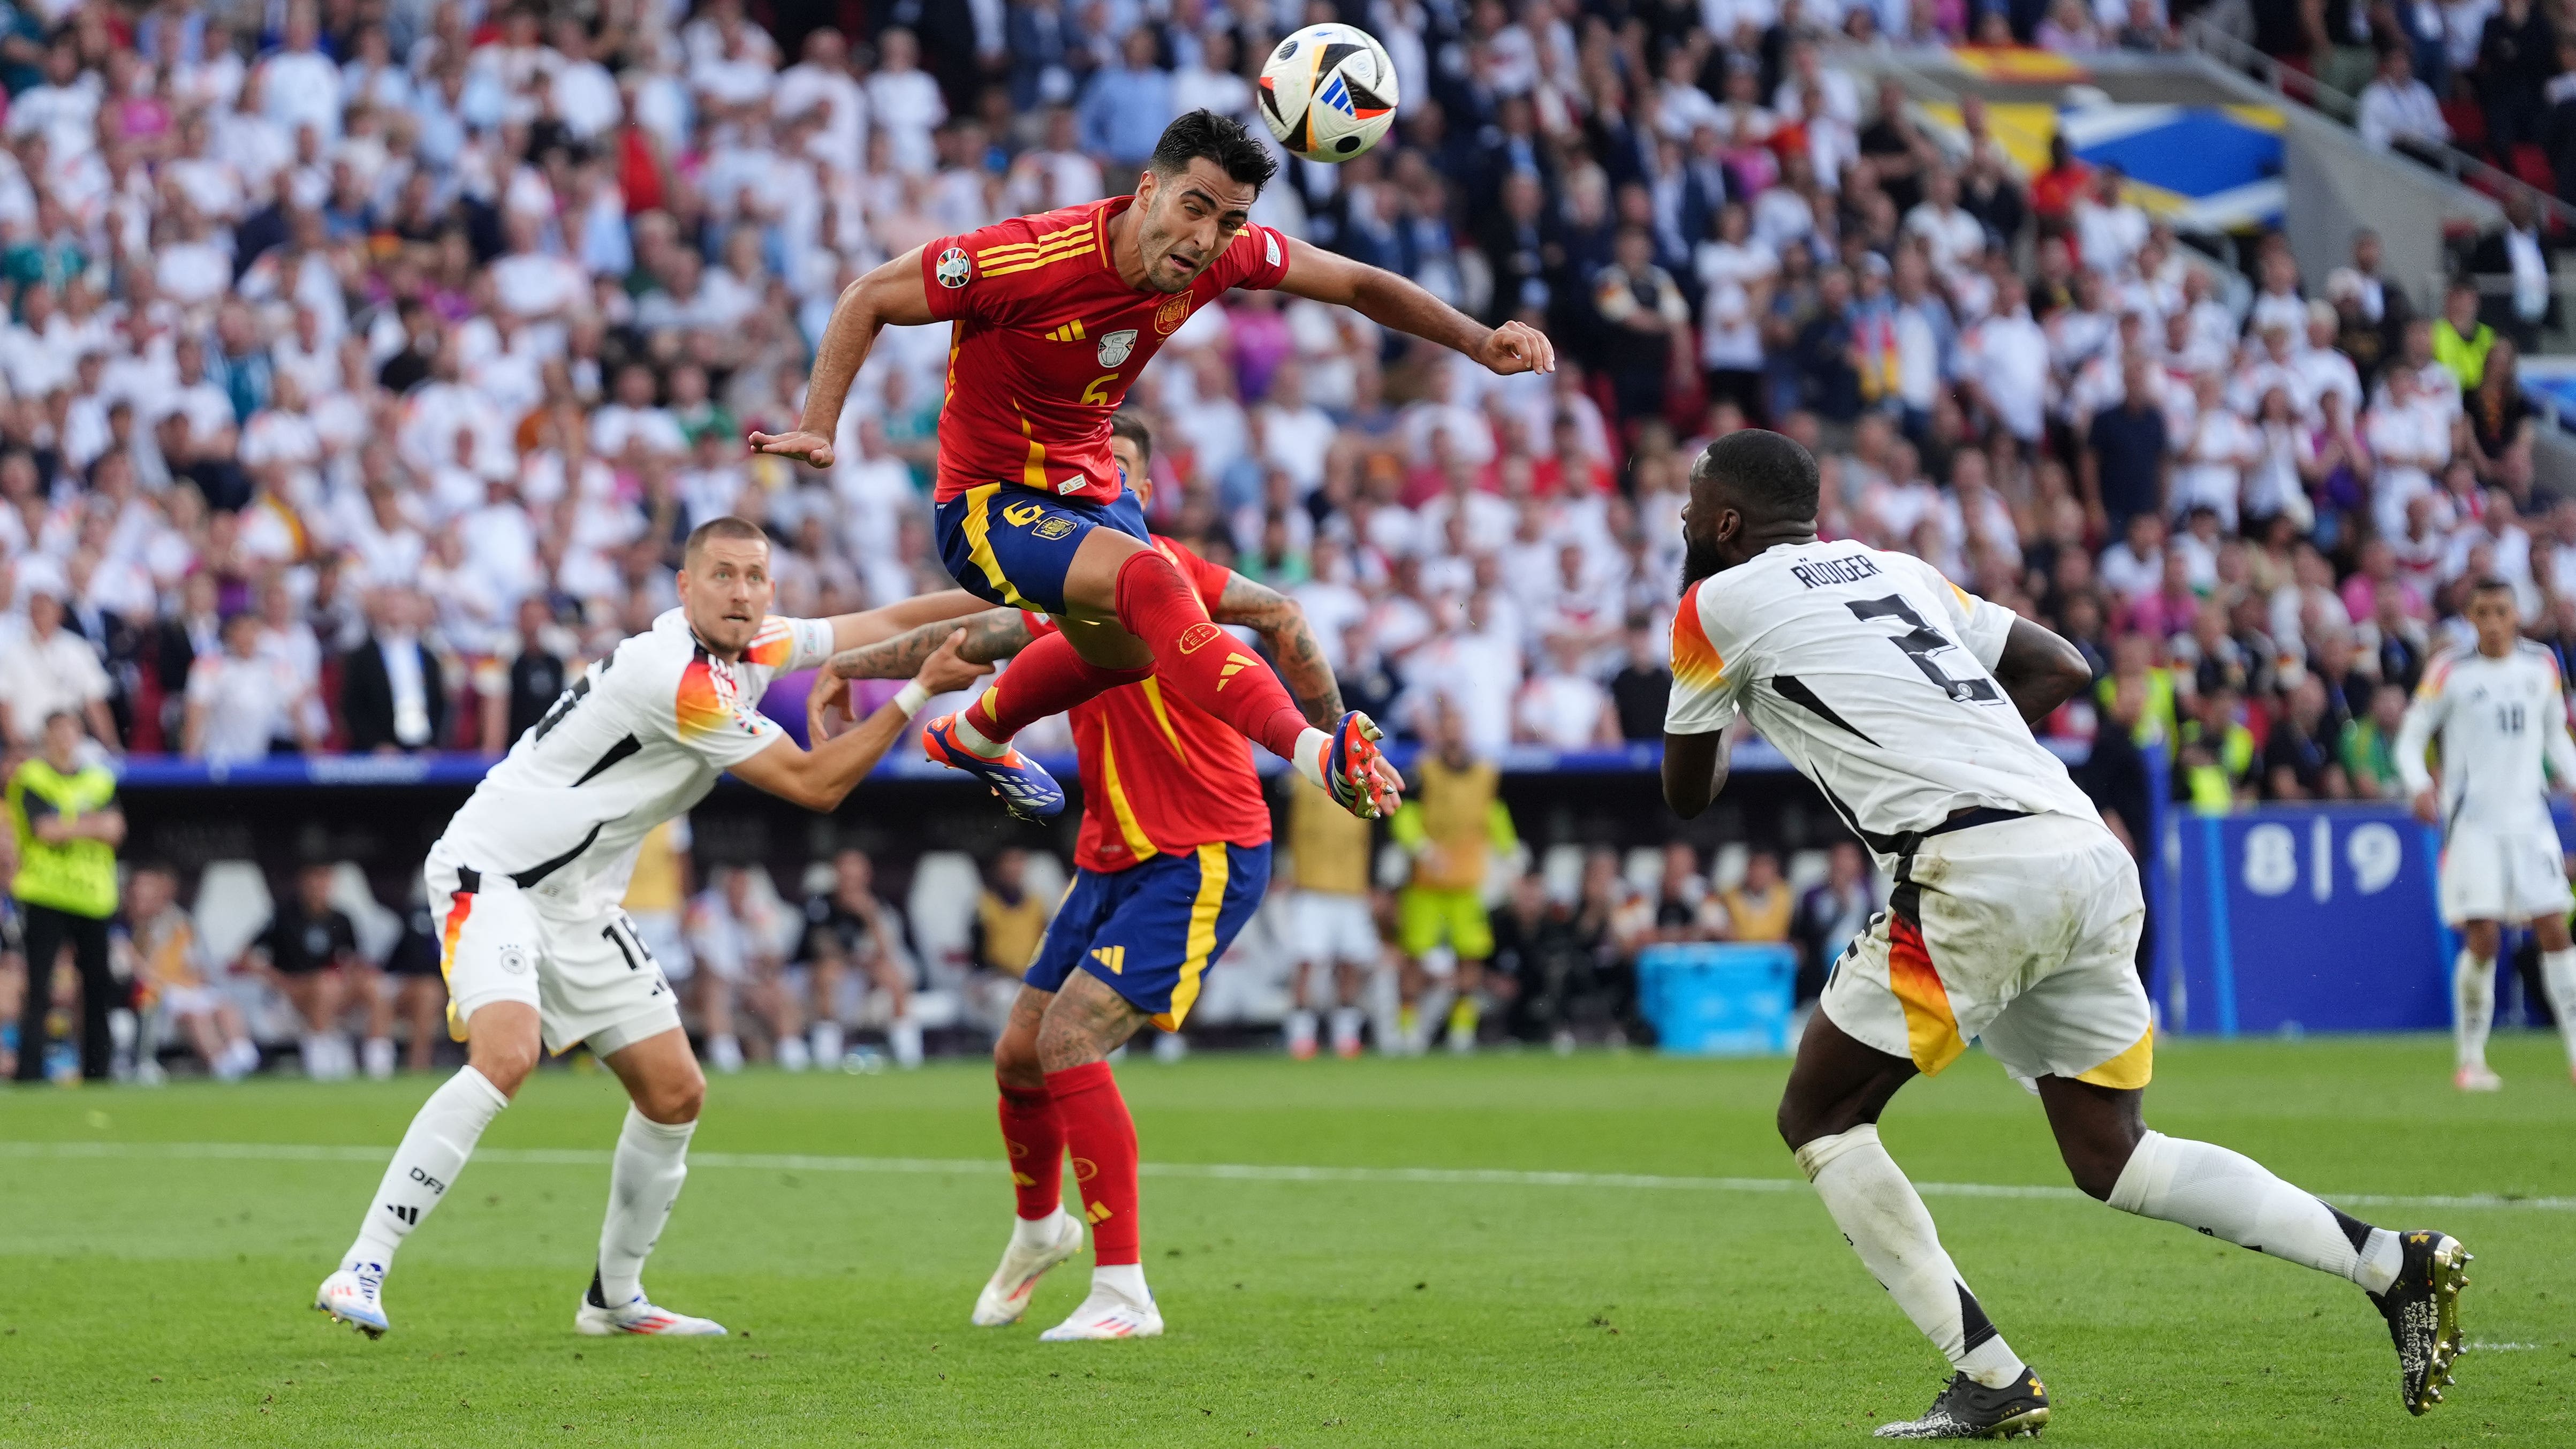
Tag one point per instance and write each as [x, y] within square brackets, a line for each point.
[2014, 920]
[527, 879]
[2500, 713]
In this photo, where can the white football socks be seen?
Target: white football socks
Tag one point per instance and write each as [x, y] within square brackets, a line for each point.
[1346, 1030]
[827, 1043]
[2229, 1195]
[793, 1056]
[724, 1053]
[904, 1035]
[1037, 1234]
[1886, 1222]
[1127, 1280]
[643, 1182]
[975, 741]
[2558, 978]
[1301, 1033]
[380, 1058]
[2472, 1007]
[433, 1151]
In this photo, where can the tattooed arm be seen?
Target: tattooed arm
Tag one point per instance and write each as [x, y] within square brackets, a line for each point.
[1283, 625]
[982, 638]
[991, 635]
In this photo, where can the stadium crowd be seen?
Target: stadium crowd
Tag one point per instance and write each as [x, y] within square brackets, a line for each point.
[365, 364]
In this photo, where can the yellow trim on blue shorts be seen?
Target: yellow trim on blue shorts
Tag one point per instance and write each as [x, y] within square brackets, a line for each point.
[1201, 942]
[978, 528]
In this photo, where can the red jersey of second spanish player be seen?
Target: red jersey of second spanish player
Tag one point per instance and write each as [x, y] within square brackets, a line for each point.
[1159, 774]
[1047, 337]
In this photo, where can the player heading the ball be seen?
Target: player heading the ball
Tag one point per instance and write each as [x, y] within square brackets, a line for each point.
[1055, 317]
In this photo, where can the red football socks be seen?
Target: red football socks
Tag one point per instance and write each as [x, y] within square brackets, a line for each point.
[1046, 678]
[1200, 661]
[1103, 1139]
[1035, 1137]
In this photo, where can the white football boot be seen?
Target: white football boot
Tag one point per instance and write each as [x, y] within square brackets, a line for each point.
[353, 1295]
[1007, 1297]
[637, 1315]
[1108, 1313]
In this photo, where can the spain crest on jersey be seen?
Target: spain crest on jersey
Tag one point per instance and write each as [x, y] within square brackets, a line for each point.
[1115, 347]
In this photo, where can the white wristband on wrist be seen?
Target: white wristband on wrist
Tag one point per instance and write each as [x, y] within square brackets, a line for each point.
[911, 698]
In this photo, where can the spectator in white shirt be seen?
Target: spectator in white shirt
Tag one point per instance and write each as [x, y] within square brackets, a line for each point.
[2209, 471]
[904, 100]
[2410, 441]
[1563, 708]
[2397, 108]
[300, 85]
[240, 700]
[52, 670]
[1951, 237]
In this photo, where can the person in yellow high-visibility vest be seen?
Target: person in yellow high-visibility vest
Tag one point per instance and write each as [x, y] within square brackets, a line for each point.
[65, 818]
[1451, 827]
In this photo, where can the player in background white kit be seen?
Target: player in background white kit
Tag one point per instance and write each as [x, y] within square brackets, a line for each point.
[2014, 919]
[2500, 714]
[526, 883]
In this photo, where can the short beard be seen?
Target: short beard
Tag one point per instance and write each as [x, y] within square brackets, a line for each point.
[1699, 560]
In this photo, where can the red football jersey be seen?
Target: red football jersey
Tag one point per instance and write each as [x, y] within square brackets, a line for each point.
[1159, 774]
[1047, 338]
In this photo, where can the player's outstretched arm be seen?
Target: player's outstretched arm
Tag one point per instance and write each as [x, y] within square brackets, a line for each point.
[1695, 767]
[854, 631]
[891, 294]
[2414, 736]
[990, 635]
[2040, 671]
[1282, 624]
[821, 778]
[1393, 301]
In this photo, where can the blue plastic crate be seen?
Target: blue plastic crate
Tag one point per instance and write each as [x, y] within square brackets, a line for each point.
[1718, 1000]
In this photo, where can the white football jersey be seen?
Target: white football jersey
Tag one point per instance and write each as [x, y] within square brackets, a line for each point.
[637, 739]
[1871, 672]
[2498, 721]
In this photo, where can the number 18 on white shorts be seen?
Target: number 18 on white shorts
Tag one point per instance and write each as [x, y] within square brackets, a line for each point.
[587, 973]
[2503, 875]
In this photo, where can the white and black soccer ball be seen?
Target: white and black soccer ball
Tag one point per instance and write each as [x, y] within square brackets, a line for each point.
[1328, 92]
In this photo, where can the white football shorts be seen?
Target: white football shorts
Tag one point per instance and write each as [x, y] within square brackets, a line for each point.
[2503, 875]
[589, 976]
[1331, 926]
[2020, 933]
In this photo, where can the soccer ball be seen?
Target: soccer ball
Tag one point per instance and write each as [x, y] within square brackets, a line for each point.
[1328, 92]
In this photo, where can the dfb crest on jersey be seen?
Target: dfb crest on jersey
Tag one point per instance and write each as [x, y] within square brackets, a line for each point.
[954, 270]
[514, 959]
[1115, 347]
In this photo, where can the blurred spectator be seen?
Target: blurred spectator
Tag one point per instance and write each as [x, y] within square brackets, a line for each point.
[1009, 919]
[1332, 926]
[240, 700]
[49, 670]
[67, 826]
[1643, 685]
[848, 931]
[734, 940]
[1452, 821]
[416, 986]
[308, 952]
[1831, 913]
[392, 696]
[1758, 907]
[167, 964]
[2398, 109]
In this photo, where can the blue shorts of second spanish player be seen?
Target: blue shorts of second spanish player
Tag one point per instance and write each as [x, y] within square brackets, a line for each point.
[1149, 932]
[1011, 545]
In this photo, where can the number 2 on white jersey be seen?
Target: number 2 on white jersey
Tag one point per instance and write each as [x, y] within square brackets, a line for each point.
[1920, 644]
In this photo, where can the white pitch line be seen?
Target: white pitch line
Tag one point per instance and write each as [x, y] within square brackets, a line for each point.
[1205, 1171]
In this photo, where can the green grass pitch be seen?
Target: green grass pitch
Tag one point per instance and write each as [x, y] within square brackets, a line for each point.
[155, 1295]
